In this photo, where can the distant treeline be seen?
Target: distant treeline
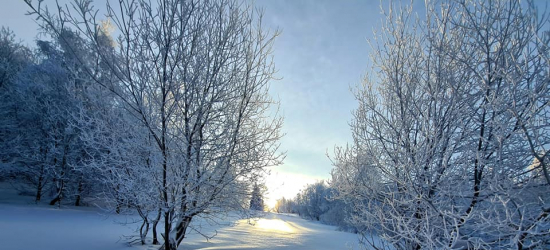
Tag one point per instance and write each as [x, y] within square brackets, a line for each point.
[319, 202]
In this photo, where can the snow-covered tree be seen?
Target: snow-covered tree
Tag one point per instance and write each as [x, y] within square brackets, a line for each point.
[195, 75]
[444, 132]
[284, 205]
[14, 57]
[312, 202]
[41, 93]
[40, 144]
[256, 199]
[318, 201]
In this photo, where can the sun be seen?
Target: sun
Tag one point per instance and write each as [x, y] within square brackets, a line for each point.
[271, 203]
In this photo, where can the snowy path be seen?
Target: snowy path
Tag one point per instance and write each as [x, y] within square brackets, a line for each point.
[41, 227]
[276, 231]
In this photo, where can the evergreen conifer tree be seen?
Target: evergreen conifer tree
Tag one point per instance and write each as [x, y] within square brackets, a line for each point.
[257, 201]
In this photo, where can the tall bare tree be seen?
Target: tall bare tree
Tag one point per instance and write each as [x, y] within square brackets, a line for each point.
[444, 133]
[195, 74]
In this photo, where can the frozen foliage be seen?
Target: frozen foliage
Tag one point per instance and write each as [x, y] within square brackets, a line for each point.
[13, 57]
[313, 201]
[448, 127]
[42, 147]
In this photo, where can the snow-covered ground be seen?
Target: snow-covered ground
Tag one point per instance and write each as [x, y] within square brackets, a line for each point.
[276, 231]
[39, 227]
[33, 227]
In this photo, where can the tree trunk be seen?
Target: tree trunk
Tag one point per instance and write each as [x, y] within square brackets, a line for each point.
[61, 181]
[172, 243]
[79, 192]
[143, 231]
[181, 229]
[118, 207]
[167, 226]
[38, 192]
[119, 200]
[56, 199]
[155, 223]
[59, 194]
[39, 186]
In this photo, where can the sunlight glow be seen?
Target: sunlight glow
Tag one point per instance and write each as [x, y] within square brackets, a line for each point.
[285, 185]
[271, 203]
[274, 225]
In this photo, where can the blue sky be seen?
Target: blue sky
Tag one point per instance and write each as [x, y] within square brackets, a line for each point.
[321, 53]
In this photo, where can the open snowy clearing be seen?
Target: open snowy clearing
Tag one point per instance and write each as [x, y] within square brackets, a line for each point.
[42, 227]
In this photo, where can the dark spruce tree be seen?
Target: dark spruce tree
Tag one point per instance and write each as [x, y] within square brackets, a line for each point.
[256, 201]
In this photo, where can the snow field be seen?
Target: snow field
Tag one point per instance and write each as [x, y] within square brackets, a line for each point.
[34, 227]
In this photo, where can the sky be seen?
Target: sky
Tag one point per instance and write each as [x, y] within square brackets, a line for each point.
[321, 54]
